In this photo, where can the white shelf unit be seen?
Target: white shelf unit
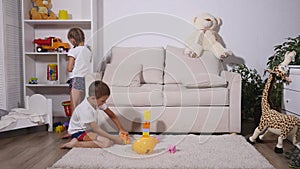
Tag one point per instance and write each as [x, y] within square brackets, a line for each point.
[291, 92]
[82, 13]
[36, 66]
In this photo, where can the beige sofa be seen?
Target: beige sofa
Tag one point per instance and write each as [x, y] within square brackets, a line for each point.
[184, 95]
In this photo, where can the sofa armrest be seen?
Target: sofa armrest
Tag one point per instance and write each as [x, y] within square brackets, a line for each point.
[234, 86]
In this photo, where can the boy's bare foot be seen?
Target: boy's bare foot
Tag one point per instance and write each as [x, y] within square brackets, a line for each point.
[69, 144]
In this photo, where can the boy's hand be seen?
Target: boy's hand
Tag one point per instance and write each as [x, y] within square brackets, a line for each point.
[125, 137]
[123, 132]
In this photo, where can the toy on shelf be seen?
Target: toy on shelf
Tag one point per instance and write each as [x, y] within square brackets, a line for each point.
[52, 73]
[33, 80]
[63, 15]
[272, 120]
[146, 143]
[51, 44]
[41, 10]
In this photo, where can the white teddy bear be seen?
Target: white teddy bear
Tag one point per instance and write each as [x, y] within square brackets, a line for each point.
[206, 37]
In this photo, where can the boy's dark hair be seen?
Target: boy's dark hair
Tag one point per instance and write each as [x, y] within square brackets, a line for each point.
[99, 89]
[76, 34]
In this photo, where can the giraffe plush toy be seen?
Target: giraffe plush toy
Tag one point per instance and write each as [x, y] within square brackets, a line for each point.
[272, 120]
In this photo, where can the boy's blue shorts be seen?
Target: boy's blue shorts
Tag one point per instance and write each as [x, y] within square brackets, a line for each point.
[79, 135]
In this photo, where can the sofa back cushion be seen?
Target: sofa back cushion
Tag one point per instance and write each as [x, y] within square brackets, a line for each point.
[123, 75]
[180, 68]
[151, 58]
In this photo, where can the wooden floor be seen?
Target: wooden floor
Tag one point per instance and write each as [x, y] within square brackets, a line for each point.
[40, 149]
[36, 150]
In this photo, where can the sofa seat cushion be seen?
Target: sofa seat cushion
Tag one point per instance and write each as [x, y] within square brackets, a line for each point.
[145, 95]
[205, 81]
[179, 95]
[180, 67]
[152, 59]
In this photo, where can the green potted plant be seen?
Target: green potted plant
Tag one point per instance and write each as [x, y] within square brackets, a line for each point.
[252, 88]
[292, 44]
[280, 50]
[253, 85]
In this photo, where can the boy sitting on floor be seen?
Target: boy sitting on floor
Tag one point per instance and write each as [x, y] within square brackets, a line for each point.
[84, 128]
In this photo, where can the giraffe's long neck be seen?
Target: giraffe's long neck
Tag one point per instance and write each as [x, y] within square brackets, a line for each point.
[266, 93]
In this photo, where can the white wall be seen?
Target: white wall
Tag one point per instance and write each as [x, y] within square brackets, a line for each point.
[251, 28]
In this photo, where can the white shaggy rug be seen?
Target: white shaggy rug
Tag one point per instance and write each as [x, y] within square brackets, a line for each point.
[193, 151]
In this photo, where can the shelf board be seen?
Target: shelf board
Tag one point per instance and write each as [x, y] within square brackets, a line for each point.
[47, 85]
[58, 24]
[51, 22]
[45, 53]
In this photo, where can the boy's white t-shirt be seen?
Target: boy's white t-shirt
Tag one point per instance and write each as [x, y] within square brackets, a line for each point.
[84, 113]
[83, 61]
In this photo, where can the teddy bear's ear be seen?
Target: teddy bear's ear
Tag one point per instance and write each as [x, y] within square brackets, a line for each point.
[219, 21]
[195, 19]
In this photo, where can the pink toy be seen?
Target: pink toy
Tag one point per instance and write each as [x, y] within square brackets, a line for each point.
[172, 149]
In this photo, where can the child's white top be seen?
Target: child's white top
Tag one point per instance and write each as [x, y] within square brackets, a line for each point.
[84, 113]
[83, 61]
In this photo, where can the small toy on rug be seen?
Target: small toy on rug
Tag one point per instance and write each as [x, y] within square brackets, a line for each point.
[206, 37]
[125, 137]
[271, 120]
[172, 149]
[41, 10]
[147, 143]
[144, 145]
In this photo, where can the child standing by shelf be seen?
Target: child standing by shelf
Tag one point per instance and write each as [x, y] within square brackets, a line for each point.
[79, 64]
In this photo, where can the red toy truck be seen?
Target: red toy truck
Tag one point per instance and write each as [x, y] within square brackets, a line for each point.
[51, 44]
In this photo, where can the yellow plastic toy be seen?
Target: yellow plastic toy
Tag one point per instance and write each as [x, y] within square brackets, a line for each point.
[63, 15]
[59, 129]
[125, 137]
[145, 144]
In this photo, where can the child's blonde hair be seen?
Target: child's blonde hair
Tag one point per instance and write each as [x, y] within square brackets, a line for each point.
[76, 34]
